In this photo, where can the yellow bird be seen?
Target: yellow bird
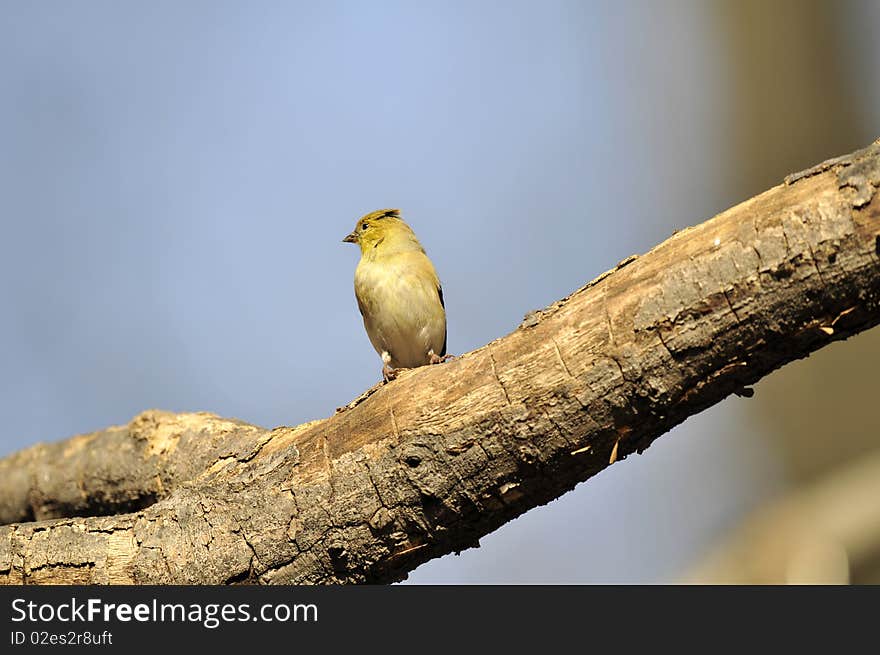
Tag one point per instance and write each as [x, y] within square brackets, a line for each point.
[398, 293]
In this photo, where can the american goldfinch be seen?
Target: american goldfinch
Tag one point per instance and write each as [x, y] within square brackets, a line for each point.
[398, 293]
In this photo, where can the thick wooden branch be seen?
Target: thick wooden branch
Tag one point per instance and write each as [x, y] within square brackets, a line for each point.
[428, 464]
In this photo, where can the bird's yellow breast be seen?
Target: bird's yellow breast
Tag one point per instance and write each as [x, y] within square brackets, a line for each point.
[399, 298]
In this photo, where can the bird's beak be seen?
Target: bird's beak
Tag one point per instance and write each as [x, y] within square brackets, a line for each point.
[350, 238]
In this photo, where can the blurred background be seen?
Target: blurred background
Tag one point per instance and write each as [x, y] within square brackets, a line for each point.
[175, 180]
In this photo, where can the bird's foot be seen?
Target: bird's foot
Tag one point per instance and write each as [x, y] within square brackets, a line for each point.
[437, 359]
[389, 373]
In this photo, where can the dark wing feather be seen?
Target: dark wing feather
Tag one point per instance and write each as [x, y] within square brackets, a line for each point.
[443, 305]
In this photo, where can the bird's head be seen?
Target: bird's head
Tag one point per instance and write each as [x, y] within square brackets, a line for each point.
[382, 227]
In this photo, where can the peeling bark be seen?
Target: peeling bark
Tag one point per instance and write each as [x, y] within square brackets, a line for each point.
[429, 463]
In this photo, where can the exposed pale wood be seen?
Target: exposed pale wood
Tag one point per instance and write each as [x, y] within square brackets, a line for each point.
[445, 454]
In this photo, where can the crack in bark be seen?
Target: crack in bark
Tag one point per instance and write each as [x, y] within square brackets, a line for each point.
[254, 559]
[394, 424]
[256, 451]
[760, 259]
[658, 330]
[816, 266]
[559, 430]
[495, 374]
[382, 502]
[730, 304]
[614, 359]
[611, 340]
[561, 361]
[785, 236]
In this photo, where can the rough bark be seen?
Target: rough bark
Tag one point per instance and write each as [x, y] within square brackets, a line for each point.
[800, 406]
[429, 463]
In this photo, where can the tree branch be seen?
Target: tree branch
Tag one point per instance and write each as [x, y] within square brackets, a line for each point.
[428, 464]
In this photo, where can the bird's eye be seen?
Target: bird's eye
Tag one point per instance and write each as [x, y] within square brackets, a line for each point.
[363, 226]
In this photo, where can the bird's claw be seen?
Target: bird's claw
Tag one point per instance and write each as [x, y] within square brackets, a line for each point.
[388, 373]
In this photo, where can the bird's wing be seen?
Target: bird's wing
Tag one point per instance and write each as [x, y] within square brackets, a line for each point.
[443, 305]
